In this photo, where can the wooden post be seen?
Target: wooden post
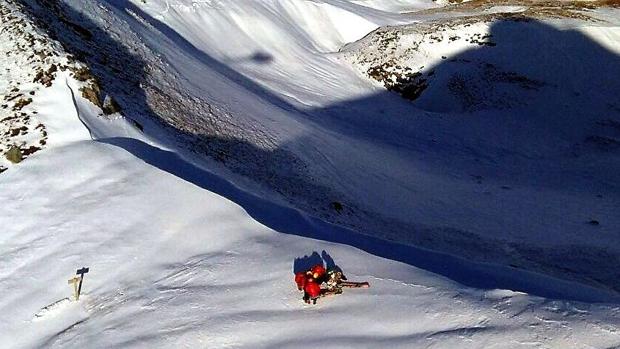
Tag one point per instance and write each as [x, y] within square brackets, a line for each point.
[81, 273]
[75, 281]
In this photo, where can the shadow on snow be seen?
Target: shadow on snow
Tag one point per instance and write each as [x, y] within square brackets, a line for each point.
[365, 118]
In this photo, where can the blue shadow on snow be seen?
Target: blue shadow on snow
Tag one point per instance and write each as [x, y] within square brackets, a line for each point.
[291, 221]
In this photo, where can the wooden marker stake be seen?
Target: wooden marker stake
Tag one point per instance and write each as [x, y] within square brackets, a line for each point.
[75, 281]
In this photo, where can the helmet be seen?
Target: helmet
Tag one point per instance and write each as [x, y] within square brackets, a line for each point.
[312, 289]
[318, 271]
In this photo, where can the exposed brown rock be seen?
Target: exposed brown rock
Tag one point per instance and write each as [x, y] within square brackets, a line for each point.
[14, 155]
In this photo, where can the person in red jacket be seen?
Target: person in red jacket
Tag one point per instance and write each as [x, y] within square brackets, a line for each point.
[312, 291]
[300, 280]
[310, 282]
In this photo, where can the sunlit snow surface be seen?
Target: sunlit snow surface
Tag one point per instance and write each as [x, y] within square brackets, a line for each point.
[175, 263]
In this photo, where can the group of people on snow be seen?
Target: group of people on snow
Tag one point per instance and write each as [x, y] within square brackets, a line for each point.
[312, 280]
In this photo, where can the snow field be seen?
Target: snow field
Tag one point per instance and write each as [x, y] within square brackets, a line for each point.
[174, 264]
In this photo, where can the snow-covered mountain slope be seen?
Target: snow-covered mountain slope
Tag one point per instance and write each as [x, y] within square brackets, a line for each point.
[172, 264]
[22, 45]
[529, 110]
[294, 134]
[261, 89]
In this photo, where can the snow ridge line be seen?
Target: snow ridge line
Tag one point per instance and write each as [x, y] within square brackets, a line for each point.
[77, 109]
[197, 126]
[292, 221]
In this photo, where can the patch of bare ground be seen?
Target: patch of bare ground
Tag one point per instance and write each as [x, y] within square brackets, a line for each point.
[388, 62]
[531, 8]
[30, 61]
[26, 64]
